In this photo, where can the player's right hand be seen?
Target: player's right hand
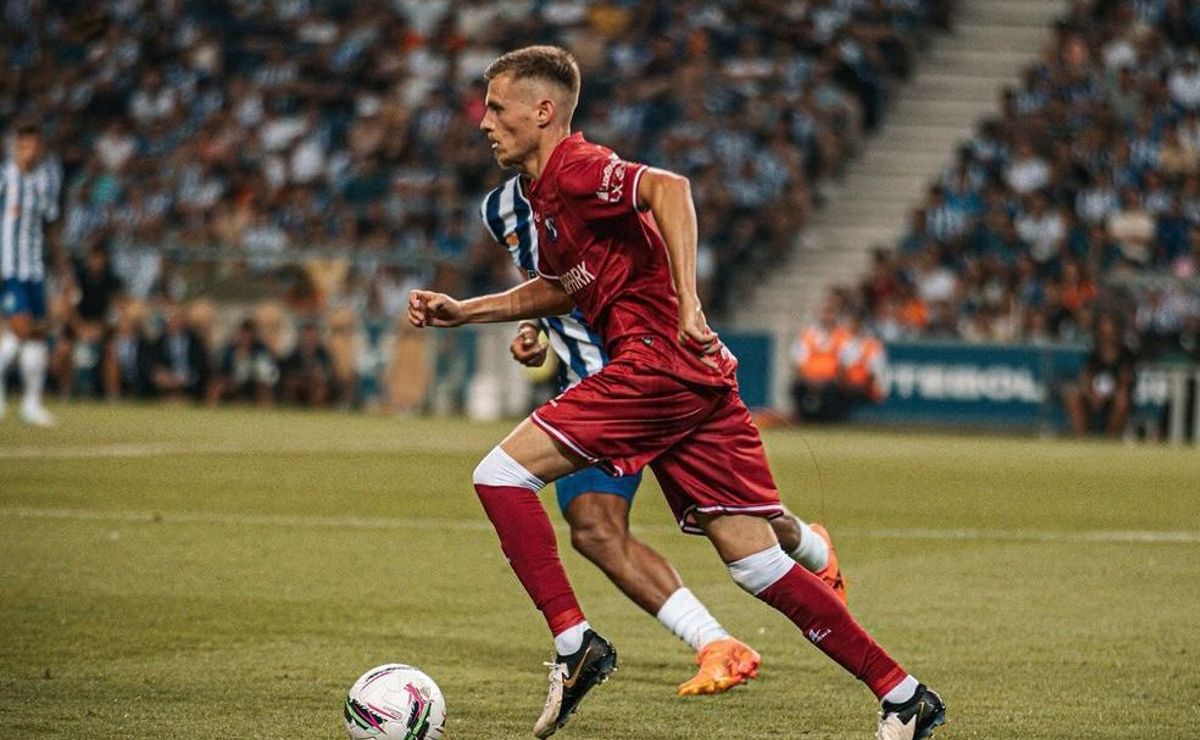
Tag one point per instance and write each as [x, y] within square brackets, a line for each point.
[426, 308]
[695, 334]
[526, 347]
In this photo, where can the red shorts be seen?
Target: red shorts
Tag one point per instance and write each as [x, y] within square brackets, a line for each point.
[700, 441]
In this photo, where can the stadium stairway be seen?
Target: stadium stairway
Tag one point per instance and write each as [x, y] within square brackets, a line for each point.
[958, 80]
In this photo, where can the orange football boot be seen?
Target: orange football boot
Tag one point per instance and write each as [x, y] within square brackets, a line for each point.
[724, 663]
[832, 572]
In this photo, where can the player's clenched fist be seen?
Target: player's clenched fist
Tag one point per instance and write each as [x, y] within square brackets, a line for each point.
[695, 334]
[526, 347]
[426, 308]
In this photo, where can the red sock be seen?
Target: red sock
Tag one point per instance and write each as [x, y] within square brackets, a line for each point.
[528, 542]
[826, 622]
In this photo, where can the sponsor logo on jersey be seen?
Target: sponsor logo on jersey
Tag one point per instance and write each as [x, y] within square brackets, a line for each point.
[577, 278]
[612, 180]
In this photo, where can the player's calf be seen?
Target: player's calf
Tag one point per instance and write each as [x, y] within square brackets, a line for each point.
[822, 617]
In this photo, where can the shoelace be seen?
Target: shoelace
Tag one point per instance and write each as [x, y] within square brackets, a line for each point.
[557, 671]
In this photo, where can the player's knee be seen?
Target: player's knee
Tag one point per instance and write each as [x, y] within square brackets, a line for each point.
[755, 573]
[787, 531]
[499, 469]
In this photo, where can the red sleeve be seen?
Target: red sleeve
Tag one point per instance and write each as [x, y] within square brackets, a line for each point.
[600, 186]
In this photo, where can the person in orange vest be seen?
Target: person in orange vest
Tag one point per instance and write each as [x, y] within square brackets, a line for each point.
[864, 359]
[817, 359]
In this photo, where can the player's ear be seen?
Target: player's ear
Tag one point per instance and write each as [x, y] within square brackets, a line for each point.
[545, 112]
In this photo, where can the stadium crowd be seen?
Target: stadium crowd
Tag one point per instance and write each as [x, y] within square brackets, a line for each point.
[1080, 198]
[259, 131]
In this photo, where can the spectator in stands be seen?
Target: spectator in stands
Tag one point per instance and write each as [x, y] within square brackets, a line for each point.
[180, 366]
[1089, 173]
[863, 360]
[308, 370]
[934, 281]
[278, 126]
[817, 356]
[1132, 228]
[95, 288]
[1043, 228]
[127, 366]
[1100, 400]
[248, 370]
[1027, 172]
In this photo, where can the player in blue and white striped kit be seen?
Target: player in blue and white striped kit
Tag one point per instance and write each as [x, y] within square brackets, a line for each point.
[29, 193]
[596, 506]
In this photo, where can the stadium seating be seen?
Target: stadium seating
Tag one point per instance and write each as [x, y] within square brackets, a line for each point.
[204, 143]
[1080, 196]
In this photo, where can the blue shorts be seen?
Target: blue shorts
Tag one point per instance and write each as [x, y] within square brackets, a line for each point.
[595, 480]
[23, 297]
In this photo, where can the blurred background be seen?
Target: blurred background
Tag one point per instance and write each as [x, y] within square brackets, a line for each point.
[978, 213]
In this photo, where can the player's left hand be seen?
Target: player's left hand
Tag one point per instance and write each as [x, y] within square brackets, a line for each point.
[526, 347]
[695, 334]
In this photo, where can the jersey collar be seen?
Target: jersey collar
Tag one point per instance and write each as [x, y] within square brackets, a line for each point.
[555, 158]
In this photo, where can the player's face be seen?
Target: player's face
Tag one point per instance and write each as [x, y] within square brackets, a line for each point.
[510, 120]
[26, 150]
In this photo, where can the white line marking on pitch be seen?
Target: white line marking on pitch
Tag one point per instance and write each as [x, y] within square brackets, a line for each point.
[159, 449]
[90, 451]
[481, 525]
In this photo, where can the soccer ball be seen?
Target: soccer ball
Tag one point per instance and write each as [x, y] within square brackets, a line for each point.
[395, 701]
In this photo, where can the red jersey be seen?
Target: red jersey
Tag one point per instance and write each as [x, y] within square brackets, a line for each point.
[611, 258]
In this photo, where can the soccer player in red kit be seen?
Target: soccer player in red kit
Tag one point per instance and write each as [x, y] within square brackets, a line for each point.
[618, 240]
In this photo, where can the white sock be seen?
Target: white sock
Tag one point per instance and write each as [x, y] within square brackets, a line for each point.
[903, 691]
[570, 640]
[8, 350]
[812, 552]
[687, 618]
[33, 370]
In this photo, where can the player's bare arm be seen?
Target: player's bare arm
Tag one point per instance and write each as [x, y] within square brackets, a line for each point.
[533, 299]
[669, 197]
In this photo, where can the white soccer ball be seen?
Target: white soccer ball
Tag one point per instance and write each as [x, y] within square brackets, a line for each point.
[395, 701]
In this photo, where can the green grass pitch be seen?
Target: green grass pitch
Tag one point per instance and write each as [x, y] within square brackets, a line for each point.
[181, 573]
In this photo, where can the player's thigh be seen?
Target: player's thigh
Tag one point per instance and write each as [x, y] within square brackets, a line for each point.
[539, 453]
[721, 467]
[624, 416]
[606, 497]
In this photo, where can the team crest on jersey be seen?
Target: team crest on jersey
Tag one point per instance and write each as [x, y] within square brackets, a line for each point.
[551, 229]
[612, 180]
[512, 239]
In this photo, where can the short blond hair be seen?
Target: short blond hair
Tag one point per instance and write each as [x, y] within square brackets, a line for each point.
[552, 64]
